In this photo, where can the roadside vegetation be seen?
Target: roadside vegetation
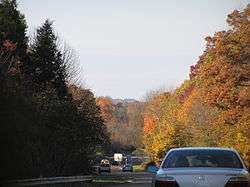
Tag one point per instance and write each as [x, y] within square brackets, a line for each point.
[48, 125]
[212, 108]
[124, 121]
[52, 126]
[139, 168]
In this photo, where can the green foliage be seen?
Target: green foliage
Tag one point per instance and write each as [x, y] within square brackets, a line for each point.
[45, 129]
[47, 68]
[13, 26]
[13, 45]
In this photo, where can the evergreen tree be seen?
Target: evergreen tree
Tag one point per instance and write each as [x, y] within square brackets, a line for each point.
[43, 130]
[12, 26]
[16, 114]
[48, 70]
[13, 42]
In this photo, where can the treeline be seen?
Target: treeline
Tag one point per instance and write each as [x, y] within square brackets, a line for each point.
[47, 128]
[124, 121]
[212, 108]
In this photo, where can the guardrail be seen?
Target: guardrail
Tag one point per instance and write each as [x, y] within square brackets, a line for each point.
[52, 182]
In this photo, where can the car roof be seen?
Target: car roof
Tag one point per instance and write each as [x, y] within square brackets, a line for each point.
[202, 148]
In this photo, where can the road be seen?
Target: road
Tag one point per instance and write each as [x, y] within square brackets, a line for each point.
[123, 179]
[122, 185]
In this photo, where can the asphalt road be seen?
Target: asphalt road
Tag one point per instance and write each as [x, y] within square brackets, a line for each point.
[123, 179]
[123, 185]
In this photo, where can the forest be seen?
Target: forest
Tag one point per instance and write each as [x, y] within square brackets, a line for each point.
[212, 108]
[48, 126]
[52, 126]
[124, 121]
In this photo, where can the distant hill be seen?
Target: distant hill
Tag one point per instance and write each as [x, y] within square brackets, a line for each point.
[124, 121]
[123, 101]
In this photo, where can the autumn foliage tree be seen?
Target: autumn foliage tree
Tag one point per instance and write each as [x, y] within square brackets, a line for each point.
[211, 108]
[223, 81]
[106, 106]
[124, 121]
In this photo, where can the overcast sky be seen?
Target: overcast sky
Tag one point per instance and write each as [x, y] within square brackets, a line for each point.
[128, 47]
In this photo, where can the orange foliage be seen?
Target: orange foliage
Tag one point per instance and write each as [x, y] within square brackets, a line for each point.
[106, 106]
[214, 104]
[183, 112]
[149, 124]
[9, 45]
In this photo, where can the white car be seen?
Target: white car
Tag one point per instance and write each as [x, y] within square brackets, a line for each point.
[104, 166]
[202, 167]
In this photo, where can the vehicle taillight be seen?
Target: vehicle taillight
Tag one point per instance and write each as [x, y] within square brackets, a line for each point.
[238, 182]
[166, 182]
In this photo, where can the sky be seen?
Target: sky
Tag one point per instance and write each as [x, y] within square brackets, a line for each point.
[128, 47]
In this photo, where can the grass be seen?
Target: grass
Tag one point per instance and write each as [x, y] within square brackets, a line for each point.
[138, 168]
[111, 179]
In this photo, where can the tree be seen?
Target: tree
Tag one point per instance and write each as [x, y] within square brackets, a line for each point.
[44, 129]
[162, 130]
[106, 107]
[48, 70]
[96, 131]
[212, 107]
[135, 112]
[13, 44]
[223, 80]
[69, 120]
[124, 121]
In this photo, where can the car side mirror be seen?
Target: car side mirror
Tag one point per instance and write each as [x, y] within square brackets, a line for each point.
[152, 169]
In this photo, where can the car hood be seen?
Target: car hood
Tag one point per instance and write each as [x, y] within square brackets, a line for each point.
[202, 177]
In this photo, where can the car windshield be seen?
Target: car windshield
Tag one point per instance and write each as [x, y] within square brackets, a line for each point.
[202, 158]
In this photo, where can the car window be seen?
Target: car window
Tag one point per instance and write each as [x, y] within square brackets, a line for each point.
[202, 158]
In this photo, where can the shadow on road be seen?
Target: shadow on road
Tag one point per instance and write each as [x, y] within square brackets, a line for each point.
[121, 185]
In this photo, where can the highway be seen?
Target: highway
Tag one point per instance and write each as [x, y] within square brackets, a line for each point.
[123, 185]
[114, 179]
[122, 179]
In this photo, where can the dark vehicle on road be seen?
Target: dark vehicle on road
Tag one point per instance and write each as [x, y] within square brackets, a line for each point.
[127, 167]
[202, 167]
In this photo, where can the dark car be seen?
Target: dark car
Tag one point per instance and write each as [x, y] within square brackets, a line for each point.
[127, 167]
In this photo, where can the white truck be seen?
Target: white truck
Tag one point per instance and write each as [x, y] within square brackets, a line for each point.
[118, 157]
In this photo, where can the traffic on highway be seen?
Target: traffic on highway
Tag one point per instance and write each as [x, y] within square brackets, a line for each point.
[116, 93]
[181, 167]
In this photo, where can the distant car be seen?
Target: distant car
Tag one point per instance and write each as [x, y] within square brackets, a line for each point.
[128, 159]
[105, 166]
[202, 167]
[127, 167]
[95, 169]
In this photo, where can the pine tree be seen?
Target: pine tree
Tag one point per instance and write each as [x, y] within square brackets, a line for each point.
[13, 42]
[48, 70]
[15, 109]
[12, 26]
